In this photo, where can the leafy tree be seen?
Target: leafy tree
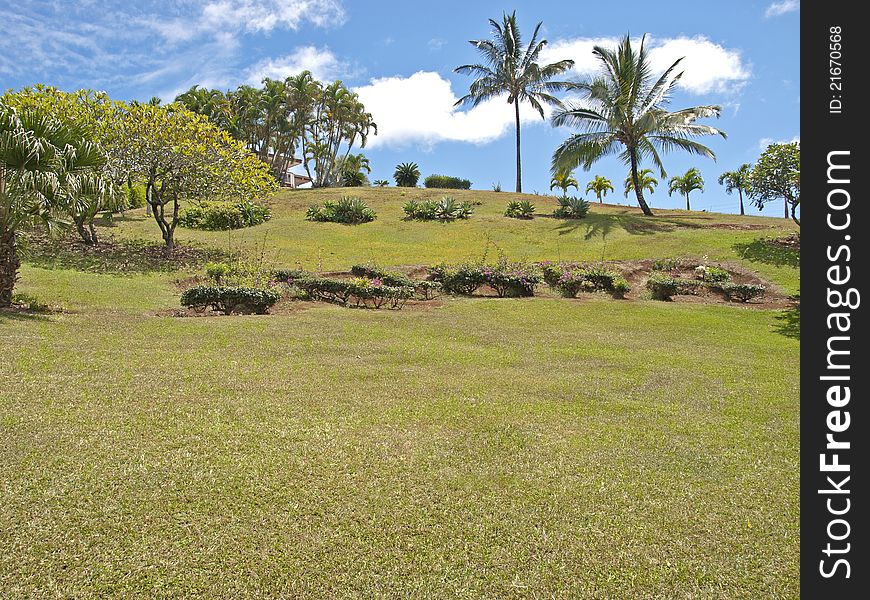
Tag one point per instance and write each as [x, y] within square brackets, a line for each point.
[563, 180]
[685, 184]
[181, 156]
[407, 174]
[624, 112]
[512, 70]
[45, 166]
[644, 178]
[737, 180]
[777, 174]
[600, 186]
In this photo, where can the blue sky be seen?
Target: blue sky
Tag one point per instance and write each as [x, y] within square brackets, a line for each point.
[399, 56]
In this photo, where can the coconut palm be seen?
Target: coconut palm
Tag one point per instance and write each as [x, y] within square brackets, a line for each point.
[407, 174]
[564, 180]
[599, 186]
[644, 178]
[509, 69]
[624, 113]
[737, 180]
[686, 184]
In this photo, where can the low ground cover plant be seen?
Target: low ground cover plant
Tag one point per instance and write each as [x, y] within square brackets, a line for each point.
[445, 209]
[348, 210]
[230, 299]
[571, 207]
[221, 216]
[520, 209]
[447, 182]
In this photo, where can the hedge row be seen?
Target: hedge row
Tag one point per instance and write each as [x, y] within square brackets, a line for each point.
[569, 279]
[361, 291]
[230, 300]
[507, 279]
[665, 287]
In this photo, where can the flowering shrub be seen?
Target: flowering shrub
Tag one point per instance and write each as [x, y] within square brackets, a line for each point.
[230, 299]
[712, 274]
[569, 279]
[424, 290]
[743, 292]
[506, 278]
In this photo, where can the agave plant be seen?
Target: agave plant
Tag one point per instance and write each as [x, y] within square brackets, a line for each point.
[571, 207]
[349, 210]
[520, 209]
[407, 174]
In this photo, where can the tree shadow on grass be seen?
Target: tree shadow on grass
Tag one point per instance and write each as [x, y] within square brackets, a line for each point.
[789, 323]
[768, 251]
[13, 314]
[629, 223]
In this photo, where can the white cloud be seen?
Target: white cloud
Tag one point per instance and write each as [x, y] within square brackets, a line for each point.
[776, 9]
[764, 142]
[419, 110]
[322, 63]
[707, 67]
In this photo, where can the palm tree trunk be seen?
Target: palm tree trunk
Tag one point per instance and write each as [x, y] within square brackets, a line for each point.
[9, 264]
[740, 193]
[519, 163]
[785, 205]
[688, 206]
[637, 191]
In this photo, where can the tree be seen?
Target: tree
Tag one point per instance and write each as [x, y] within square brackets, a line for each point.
[685, 184]
[777, 174]
[407, 174]
[564, 180]
[510, 69]
[600, 186]
[181, 156]
[624, 113]
[45, 165]
[381, 182]
[351, 168]
[644, 178]
[737, 180]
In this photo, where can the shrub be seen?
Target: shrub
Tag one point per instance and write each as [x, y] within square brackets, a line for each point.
[218, 216]
[217, 271]
[445, 209]
[712, 274]
[507, 279]
[571, 208]
[447, 182]
[459, 279]
[365, 292]
[348, 210]
[667, 264]
[743, 292]
[664, 287]
[520, 209]
[135, 196]
[620, 287]
[288, 275]
[230, 300]
[568, 279]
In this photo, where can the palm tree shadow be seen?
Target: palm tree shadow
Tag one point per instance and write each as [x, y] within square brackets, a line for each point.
[767, 251]
[603, 224]
[7, 315]
[789, 323]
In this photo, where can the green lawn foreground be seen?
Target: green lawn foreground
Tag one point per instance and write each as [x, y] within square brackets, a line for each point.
[517, 448]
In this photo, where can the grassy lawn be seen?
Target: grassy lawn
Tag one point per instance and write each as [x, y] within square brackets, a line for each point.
[517, 448]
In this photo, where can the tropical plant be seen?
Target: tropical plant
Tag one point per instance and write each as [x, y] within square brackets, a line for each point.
[571, 208]
[218, 216]
[686, 183]
[777, 174]
[447, 182]
[381, 182]
[351, 168]
[407, 174]
[46, 167]
[737, 180]
[511, 69]
[646, 180]
[353, 179]
[564, 180]
[445, 209]
[496, 187]
[520, 209]
[599, 186]
[624, 112]
[348, 210]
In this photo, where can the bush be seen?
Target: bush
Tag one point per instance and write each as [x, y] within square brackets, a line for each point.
[447, 182]
[712, 274]
[230, 300]
[371, 293]
[667, 264]
[664, 287]
[743, 292]
[288, 275]
[219, 216]
[445, 209]
[571, 208]
[347, 210]
[507, 279]
[620, 287]
[522, 209]
[135, 196]
[569, 279]
[217, 272]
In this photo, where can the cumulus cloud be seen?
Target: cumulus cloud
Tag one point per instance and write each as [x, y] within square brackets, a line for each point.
[707, 67]
[764, 142]
[322, 63]
[776, 9]
[419, 110]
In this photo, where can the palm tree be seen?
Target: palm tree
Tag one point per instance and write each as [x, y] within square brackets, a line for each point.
[685, 184]
[625, 114]
[510, 69]
[737, 180]
[600, 186]
[644, 178]
[564, 180]
[407, 174]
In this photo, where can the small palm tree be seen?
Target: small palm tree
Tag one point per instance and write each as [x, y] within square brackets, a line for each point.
[644, 178]
[685, 184]
[512, 70]
[737, 180]
[625, 113]
[381, 182]
[564, 180]
[407, 174]
[599, 186]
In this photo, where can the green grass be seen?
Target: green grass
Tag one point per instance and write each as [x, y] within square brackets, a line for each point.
[616, 232]
[517, 448]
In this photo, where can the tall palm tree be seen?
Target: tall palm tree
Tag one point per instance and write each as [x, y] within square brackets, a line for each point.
[599, 186]
[685, 184]
[644, 178]
[737, 180]
[624, 113]
[564, 180]
[510, 69]
[406, 174]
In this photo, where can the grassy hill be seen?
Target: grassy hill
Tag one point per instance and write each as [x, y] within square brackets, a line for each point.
[481, 447]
